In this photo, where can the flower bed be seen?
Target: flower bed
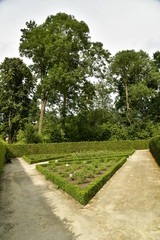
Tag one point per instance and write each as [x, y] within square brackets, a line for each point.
[31, 159]
[82, 178]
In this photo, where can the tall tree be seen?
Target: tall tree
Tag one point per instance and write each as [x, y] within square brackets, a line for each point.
[63, 58]
[136, 79]
[103, 97]
[33, 46]
[156, 59]
[154, 109]
[16, 84]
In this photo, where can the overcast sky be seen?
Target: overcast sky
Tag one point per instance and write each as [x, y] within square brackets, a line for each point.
[118, 24]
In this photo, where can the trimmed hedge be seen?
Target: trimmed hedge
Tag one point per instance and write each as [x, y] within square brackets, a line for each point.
[69, 147]
[37, 158]
[154, 146]
[2, 154]
[81, 195]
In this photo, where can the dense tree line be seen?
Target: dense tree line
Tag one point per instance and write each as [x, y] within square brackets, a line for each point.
[74, 90]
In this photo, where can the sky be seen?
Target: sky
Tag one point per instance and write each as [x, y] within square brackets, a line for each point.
[118, 24]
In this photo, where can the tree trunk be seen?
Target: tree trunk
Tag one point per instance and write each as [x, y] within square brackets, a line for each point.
[43, 104]
[127, 104]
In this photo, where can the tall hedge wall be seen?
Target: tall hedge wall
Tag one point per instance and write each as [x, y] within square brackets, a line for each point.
[67, 147]
[2, 154]
[154, 146]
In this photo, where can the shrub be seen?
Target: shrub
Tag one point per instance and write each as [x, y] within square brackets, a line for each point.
[29, 135]
[154, 146]
[16, 150]
[2, 154]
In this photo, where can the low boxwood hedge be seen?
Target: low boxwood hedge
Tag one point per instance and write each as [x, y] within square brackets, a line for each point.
[37, 158]
[2, 154]
[81, 195]
[154, 146]
[16, 150]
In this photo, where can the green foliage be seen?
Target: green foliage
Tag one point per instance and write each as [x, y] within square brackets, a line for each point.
[16, 84]
[136, 79]
[28, 160]
[103, 125]
[31, 159]
[154, 110]
[76, 156]
[2, 154]
[63, 57]
[156, 58]
[102, 99]
[52, 131]
[29, 135]
[90, 125]
[154, 146]
[16, 150]
[74, 108]
[81, 195]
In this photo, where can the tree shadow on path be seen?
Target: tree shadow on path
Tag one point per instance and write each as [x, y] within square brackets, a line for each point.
[24, 211]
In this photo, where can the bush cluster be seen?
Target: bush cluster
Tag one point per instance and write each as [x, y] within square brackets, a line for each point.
[16, 150]
[81, 195]
[2, 154]
[154, 146]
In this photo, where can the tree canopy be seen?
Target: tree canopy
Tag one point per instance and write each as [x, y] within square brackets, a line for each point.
[74, 90]
[16, 84]
[63, 58]
[136, 80]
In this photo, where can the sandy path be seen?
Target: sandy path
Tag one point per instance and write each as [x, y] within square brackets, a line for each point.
[127, 207]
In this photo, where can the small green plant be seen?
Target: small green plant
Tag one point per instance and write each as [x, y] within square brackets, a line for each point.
[90, 174]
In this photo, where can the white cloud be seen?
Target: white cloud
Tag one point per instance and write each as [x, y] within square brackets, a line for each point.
[118, 24]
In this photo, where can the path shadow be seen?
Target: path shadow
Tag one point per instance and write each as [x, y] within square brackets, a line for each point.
[24, 211]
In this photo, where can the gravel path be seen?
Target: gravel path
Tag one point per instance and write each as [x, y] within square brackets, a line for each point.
[24, 211]
[127, 207]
